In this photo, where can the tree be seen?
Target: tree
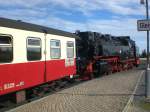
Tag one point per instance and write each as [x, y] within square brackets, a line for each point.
[144, 54]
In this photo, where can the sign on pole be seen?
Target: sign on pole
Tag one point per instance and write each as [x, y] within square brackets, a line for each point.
[143, 25]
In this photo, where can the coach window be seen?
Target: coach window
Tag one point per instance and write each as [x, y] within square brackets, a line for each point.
[6, 49]
[55, 50]
[33, 49]
[70, 49]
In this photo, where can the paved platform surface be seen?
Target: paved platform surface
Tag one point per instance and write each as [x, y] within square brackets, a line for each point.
[139, 103]
[105, 94]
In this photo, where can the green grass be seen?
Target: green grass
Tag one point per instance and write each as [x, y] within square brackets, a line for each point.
[145, 105]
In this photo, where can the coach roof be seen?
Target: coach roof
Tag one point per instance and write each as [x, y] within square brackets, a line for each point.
[18, 24]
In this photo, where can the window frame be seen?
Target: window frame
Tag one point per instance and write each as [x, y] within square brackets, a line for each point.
[55, 47]
[70, 47]
[33, 46]
[12, 45]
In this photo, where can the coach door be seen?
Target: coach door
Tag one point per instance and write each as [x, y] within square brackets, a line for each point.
[53, 58]
[35, 66]
[70, 54]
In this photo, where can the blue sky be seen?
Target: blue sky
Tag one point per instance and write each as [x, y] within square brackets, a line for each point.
[116, 17]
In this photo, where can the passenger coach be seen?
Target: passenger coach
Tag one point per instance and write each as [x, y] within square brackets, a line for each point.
[31, 55]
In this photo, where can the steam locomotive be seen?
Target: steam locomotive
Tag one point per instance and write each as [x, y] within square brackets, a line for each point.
[105, 53]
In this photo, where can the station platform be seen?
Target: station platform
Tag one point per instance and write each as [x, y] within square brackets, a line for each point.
[109, 93]
[140, 103]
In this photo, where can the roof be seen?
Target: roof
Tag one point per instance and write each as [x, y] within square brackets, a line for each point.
[18, 24]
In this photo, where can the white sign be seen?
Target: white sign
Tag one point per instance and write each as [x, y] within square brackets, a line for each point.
[143, 25]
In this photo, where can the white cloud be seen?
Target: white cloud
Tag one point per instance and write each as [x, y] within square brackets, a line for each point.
[122, 7]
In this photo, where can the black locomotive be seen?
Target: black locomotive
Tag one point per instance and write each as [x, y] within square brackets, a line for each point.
[92, 44]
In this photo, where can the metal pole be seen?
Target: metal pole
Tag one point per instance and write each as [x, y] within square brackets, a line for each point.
[147, 80]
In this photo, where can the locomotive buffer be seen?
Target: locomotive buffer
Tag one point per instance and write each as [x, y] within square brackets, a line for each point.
[144, 25]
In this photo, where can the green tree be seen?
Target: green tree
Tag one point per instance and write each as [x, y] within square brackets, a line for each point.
[144, 54]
